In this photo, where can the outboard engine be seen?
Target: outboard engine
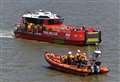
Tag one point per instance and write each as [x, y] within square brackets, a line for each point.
[96, 67]
[98, 63]
[97, 53]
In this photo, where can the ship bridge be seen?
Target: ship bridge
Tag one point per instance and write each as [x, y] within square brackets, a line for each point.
[41, 15]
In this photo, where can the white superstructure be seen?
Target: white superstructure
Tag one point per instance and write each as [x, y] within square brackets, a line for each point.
[41, 14]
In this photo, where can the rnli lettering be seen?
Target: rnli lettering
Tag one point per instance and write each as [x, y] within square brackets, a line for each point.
[53, 33]
[38, 33]
[45, 32]
[50, 33]
[67, 35]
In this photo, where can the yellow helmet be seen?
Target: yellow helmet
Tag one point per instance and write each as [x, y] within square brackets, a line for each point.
[65, 56]
[71, 56]
[77, 54]
[84, 53]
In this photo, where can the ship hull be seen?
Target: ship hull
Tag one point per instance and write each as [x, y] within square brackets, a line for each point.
[45, 38]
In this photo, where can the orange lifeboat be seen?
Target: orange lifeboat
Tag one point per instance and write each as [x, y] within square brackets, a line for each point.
[55, 61]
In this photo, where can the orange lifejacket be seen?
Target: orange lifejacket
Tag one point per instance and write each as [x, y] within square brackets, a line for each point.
[30, 27]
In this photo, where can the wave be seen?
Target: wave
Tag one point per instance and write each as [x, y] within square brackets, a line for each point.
[6, 34]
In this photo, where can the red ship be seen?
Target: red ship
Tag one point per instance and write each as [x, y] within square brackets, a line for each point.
[49, 27]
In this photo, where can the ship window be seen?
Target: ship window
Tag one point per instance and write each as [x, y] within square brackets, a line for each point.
[43, 17]
[55, 21]
[35, 21]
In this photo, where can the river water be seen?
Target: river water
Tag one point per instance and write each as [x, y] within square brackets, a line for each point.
[23, 61]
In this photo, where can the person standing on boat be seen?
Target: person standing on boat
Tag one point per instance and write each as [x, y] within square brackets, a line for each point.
[64, 59]
[72, 60]
[95, 65]
[76, 58]
[68, 57]
[83, 59]
[96, 54]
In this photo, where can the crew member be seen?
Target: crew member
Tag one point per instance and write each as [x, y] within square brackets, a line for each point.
[68, 57]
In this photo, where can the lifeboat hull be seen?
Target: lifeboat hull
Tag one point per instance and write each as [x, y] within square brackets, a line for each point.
[55, 62]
